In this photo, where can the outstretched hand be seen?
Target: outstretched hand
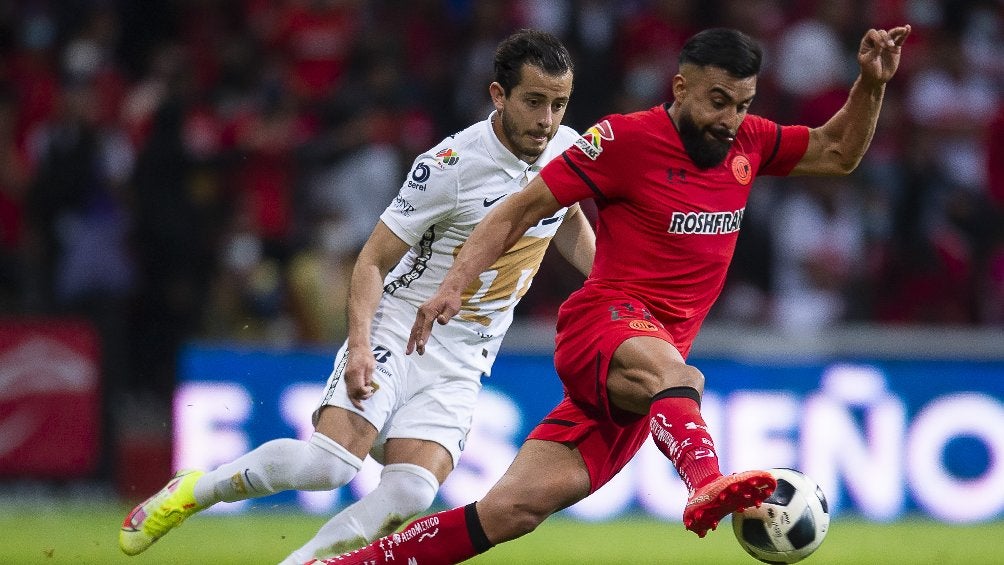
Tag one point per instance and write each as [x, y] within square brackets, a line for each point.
[879, 53]
[441, 307]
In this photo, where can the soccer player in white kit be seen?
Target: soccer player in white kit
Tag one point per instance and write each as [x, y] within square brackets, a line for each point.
[412, 413]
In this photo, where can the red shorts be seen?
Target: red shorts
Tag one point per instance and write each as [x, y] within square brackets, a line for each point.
[592, 324]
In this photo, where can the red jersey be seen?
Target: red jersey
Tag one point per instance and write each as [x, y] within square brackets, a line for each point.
[666, 230]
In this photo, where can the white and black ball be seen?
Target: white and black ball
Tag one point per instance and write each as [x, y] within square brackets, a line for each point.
[789, 525]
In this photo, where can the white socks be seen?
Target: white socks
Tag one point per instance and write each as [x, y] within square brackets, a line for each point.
[321, 464]
[276, 466]
[404, 490]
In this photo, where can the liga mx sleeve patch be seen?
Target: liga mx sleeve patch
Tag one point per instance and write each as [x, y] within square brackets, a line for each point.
[447, 158]
[591, 142]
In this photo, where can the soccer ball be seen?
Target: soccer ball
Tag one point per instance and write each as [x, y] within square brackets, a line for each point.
[789, 525]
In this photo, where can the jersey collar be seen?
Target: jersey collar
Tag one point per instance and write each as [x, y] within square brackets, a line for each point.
[505, 159]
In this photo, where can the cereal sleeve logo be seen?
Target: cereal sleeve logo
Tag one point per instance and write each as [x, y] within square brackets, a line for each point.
[742, 170]
[591, 142]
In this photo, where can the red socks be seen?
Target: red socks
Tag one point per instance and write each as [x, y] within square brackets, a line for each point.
[681, 434]
[444, 538]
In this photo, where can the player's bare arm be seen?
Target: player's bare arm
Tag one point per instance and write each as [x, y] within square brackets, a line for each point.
[499, 231]
[576, 241]
[836, 147]
[381, 252]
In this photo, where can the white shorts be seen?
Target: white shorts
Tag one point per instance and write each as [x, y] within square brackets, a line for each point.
[429, 397]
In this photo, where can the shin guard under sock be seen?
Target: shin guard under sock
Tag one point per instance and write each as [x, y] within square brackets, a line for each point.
[681, 434]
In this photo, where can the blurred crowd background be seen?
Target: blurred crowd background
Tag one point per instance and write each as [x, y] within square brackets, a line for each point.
[176, 170]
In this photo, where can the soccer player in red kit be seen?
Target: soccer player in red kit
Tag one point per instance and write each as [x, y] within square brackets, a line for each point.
[670, 184]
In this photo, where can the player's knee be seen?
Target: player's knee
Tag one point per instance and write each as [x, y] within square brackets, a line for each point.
[688, 376]
[632, 388]
[328, 465]
[676, 375]
[412, 489]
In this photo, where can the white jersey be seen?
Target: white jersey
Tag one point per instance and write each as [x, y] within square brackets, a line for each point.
[448, 192]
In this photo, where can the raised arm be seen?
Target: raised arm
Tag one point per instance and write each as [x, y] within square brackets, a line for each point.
[836, 147]
[576, 241]
[498, 232]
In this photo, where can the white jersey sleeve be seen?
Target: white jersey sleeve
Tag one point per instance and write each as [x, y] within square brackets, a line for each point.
[428, 197]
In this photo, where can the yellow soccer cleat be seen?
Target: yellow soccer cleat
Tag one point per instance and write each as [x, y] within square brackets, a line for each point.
[157, 515]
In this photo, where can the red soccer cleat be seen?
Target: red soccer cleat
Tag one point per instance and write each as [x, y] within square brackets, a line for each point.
[723, 496]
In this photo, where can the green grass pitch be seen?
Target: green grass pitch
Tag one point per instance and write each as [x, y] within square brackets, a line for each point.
[55, 533]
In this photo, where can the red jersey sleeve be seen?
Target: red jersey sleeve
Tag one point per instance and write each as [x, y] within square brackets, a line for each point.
[583, 170]
[782, 147]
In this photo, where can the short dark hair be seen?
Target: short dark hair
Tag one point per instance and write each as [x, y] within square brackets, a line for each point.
[729, 49]
[529, 46]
